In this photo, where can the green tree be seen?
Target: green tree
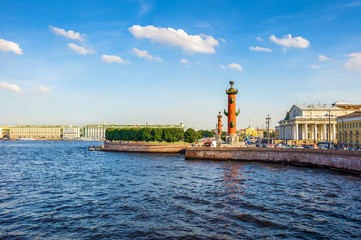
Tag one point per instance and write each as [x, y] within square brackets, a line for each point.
[108, 134]
[206, 133]
[145, 134]
[124, 134]
[132, 134]
[178, 133]
[190, 135]
[156, 134]
[168, 135]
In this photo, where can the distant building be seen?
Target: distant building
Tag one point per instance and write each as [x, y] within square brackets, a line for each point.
[36, 132]
[94, 131]
[311, 123]
[349, 129]
[71, 133]
[97, 131]
[4, 132]
[252, 132]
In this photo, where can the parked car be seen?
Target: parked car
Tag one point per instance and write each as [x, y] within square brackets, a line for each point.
[296, 146]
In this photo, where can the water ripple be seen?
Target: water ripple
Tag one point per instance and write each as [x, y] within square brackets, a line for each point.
[59, 190]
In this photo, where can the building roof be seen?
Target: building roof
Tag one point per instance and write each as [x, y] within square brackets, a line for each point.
[341, 102]
[346, 105]
[351, 115]
[317, 107]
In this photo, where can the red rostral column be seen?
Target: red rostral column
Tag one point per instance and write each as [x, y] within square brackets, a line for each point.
[219, 125]
[232, 114]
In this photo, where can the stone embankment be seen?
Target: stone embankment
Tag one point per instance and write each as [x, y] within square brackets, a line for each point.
[337, 159]
[144, 147]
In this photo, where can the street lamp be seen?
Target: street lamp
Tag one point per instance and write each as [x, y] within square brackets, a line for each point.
[268, 119]
[329, 129]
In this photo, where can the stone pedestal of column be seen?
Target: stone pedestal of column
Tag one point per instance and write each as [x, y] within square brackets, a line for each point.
[232, 139]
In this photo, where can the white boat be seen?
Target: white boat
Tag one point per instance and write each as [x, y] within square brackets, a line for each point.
[91, 139]
[25, 139]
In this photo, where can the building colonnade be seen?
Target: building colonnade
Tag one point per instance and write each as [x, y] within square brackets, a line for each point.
[307, 131]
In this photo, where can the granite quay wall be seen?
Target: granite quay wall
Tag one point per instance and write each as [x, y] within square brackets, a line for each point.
[337, 159]
[144, 147]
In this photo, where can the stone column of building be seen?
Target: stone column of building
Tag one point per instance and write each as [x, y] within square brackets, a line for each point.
[231, 114]
[284, 131]
[334, 131]
[325, 132]
[296, 131]
[315, 132]
[306, 132]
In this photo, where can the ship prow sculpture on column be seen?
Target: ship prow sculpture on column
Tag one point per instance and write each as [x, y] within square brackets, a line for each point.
[232, 138]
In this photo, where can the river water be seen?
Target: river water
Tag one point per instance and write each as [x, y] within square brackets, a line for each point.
[60, 190]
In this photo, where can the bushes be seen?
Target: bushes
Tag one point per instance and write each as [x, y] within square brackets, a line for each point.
[144, 134]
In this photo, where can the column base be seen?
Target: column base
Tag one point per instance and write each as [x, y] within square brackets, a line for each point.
[232, 139]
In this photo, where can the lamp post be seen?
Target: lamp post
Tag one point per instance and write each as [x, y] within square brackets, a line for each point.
[268, 119]
[329, 129]
[284, 133]
[342, 133]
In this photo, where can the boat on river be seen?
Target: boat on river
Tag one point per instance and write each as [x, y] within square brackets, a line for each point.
[26, 139]
[95, 148]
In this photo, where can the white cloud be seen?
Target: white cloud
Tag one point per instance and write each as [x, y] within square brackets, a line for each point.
[260, 49]
[322, 58]
[354, 63]
[235, 66]
[81, 50]
[190, 43]
[259, 39]
[43, 89]
[113, 58]
[185, 61]
[68, 34]
[11, 87]
[232, 66]
[289, 41]
[222, 40]
[314, 66]
[8, 46]
[144, 8]
[145, 54]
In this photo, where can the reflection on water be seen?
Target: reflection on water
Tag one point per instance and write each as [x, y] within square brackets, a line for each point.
[234, 180]
[59, 190]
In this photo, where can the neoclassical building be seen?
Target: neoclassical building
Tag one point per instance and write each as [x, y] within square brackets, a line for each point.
[35, 132]
[349, 130]
[313, 122]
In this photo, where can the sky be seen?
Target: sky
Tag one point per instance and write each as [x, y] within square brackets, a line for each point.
[166, 62]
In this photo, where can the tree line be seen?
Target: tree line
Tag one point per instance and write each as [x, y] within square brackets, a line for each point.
[155, 134]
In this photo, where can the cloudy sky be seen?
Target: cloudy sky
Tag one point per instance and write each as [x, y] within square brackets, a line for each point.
[161, 62]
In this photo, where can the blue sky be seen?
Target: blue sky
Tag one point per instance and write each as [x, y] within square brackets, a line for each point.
[160, 62]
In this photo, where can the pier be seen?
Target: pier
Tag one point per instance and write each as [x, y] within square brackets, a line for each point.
[336, 159]
[144, 147]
